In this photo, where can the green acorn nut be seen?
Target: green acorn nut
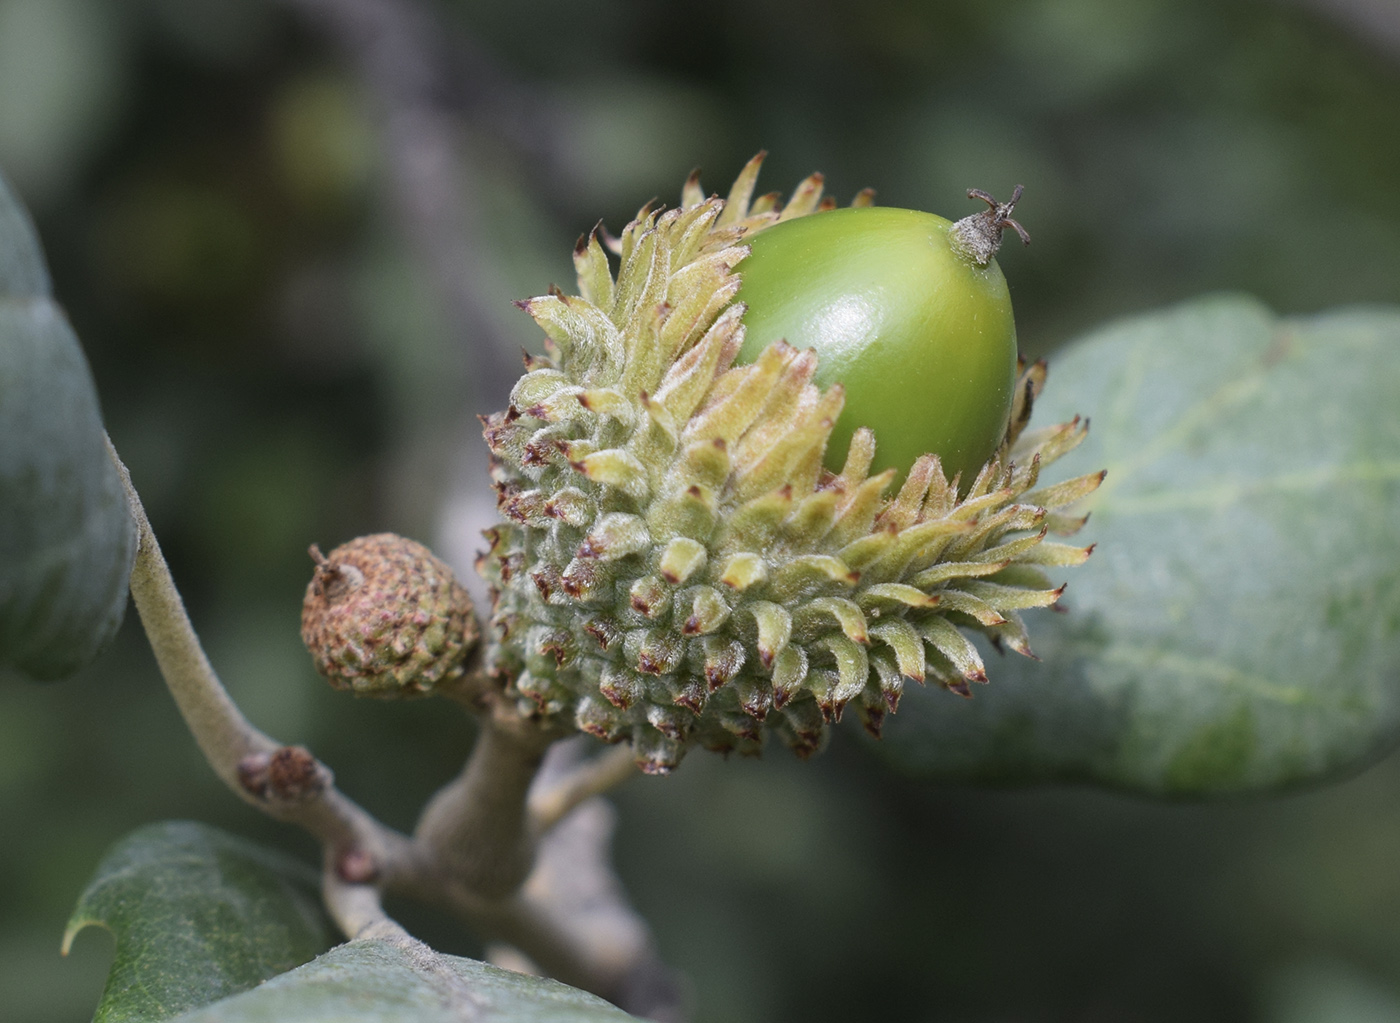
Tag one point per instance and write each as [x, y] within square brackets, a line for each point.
[675, 565]
[385, 617]
[908, 312]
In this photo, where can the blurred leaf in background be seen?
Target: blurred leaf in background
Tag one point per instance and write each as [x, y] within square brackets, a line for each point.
[1238, 628]
[65, 78]
[66, 538]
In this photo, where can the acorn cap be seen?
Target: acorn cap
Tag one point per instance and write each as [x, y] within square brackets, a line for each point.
[385, 617]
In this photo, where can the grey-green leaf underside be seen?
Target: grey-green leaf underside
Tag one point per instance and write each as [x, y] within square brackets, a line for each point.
[66, 535]
[22, 270]
[198, 915]
[375, 981]
[1238, 627]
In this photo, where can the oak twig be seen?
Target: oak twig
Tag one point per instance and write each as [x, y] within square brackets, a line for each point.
[286, 782]
[477, 828]
[357, 908]
[550, 803]
[571, 919]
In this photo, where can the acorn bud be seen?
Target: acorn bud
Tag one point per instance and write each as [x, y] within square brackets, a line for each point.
[385, 617]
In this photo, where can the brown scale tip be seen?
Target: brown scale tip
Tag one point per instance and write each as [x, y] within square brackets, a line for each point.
[545, 579]
[692, 698]
[604, 633]
[757, 709]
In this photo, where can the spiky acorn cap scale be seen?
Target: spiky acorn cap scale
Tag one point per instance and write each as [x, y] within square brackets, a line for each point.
[674, 565]
[384, 616]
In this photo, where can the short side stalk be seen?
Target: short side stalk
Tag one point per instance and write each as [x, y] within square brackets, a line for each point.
[478, 828]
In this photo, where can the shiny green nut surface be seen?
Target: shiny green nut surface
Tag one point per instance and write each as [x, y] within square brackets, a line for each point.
[921, 338]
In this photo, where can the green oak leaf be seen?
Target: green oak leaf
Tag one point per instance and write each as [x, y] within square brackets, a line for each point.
[66, 536]
[1238, 627]
[213, 929]
[377, 981]
[198, 915]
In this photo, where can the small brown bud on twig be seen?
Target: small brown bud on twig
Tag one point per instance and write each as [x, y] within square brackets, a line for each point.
[355, 866]
[293, 774]
[290, 774]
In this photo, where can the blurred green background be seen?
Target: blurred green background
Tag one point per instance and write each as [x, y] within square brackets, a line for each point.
[289, 234]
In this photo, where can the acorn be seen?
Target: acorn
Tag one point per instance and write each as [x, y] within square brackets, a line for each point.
[385, 617]
[676, 566]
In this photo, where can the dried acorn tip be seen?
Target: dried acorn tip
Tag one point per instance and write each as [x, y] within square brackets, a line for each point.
[385, 617]
[978, 237]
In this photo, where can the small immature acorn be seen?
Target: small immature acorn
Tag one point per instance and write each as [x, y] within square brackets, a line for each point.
[385, 617]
